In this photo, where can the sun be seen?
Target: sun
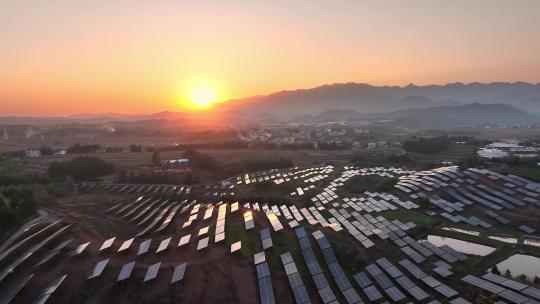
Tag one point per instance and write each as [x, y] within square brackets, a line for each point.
[203, 97]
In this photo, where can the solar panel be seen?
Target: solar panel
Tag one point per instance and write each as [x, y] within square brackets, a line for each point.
[514, 285]
[13, 293]
[265, 286]
[178, 273]
[533, 292]
[362, 280]
[394, 272]
[152, 272]
[460, 301]
[327, 295]
[125, 272]
[342, 282]
[98, 269]
[384, 263]
[301, 295]
[372, 293]
[48, 291]
[286, 258]
[320, 281]
[262, 270]
[203, 243]
[394, 294]
[125, 245]
[184, 240]
[513, 297]
[259, 257]
[352, 296]
[383, 281]
[335, 269]
[442, 271]
[290, 268]
[236, 246]
[431, 281]
[144, 246]
[418, 293]
[446, 291]
[107, 244]
[163, 245]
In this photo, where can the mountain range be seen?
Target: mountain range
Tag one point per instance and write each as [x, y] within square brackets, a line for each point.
[431, 106]
[370, 99]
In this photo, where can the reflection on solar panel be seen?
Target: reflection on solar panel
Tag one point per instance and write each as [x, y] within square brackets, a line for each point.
[152, 272]
[236, 246]
[125, 245]
[163, 245]
[178, 274]
[259, 257]
[203, 231]
[184, 240]
[107, 244]
[125, 272]
[248, 220]
[98, 269]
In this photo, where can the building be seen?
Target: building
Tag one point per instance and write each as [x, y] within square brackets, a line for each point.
[175, 162]
[33, 153]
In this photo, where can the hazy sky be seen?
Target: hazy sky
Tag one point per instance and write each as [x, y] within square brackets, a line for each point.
[60, 57]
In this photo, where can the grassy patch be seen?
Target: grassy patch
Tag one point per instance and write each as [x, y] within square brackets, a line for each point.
[422, 220]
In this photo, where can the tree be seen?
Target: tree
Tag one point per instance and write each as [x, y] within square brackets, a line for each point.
[508, 273]
[495, 270]
[386, 184]
[427, 145]
[78, 148]
[135, 148]
[536, 280]
[80, 168]
[156, 158]
[190, 179]
[46, 150]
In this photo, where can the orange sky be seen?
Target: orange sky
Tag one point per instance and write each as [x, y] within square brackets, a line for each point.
[68, 56]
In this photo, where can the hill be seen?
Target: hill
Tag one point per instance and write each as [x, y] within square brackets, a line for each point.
[443, 117]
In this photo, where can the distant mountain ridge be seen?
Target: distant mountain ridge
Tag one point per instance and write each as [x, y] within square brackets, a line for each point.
[367, 99]
[437, 104]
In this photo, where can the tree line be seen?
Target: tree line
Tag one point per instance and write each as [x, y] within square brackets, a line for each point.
[16, 204]
[80, 168]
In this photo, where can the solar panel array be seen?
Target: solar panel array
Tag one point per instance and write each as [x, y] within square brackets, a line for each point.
[263, 275]
[323, 287]
[343, 283]
[295, 280]
[516, 292]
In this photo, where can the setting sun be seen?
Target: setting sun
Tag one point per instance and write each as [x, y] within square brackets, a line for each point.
[200, 93]
[203, 97]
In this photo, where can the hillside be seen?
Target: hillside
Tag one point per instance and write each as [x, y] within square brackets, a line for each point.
[460, 116]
